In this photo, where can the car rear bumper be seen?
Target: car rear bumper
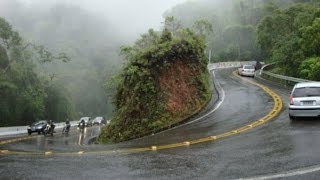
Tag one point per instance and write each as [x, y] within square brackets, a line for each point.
[243, 73]
[310, 112]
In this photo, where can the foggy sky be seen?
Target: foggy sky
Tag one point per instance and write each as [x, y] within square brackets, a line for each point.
[131, 16]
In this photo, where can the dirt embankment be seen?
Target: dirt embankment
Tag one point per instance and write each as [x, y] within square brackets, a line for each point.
[176, 83]
[163, 83]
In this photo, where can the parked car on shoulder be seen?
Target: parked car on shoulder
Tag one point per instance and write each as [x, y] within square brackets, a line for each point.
[246, 70]
[87, 121]
[305, 100]
[38, 127]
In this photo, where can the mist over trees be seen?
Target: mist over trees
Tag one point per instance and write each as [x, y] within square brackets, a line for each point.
[61, 56]
[284, 31]
[25, 94]
[89, 41]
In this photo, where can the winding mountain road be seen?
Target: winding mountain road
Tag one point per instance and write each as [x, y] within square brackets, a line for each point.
[231, 139]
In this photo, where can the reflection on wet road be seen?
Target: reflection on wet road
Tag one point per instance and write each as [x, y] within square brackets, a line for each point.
[74, 140]
[279, 146]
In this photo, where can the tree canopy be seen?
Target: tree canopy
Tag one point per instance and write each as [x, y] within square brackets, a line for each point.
[26, 95]
[290, 37]
[284, 31]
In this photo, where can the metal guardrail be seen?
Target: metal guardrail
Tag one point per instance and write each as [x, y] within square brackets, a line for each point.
[233, 64]
[287, 79]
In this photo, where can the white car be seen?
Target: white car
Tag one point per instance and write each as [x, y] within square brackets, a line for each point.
[305, 100]
[98, 120]
[87, 121]
[246, 70]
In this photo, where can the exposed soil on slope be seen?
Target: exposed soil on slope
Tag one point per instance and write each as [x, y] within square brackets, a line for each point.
[176, 83]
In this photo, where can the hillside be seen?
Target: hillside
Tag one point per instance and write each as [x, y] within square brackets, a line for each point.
[90, 41]
[282, 31]
[164, 81]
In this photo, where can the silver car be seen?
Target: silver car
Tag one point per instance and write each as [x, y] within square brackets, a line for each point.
[98, 120]
[305, 100]
[247, 70]
[87, 121]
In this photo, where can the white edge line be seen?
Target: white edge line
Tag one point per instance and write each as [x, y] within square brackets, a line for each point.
[217, 106]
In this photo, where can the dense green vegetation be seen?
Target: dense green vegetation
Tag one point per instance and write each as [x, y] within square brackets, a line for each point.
[89, 41]
[284, 31]
[291, 36]
[25, 94]
[164, 81]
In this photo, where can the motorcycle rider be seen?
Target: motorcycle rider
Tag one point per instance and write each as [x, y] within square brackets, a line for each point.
[68, 125]
[82, 124]
[66, 128]
[52, 126]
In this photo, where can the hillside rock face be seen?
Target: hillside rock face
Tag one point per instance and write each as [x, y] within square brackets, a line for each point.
[175, 83]
[162, 84]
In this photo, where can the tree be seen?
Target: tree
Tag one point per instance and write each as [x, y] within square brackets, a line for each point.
[10, 42]
[171, 24]
[147, 39]
[4, 60]
[310, 69]
[202, 27]
[310, 38]
[290, 37]
[24, 92]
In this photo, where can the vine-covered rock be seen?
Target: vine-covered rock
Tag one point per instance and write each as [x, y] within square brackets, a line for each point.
[164, 81]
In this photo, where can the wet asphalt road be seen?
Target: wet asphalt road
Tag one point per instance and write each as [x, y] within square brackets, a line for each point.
[276, 147]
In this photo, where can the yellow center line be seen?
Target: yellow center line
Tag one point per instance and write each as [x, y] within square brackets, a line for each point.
[8, 141]
[277, 107]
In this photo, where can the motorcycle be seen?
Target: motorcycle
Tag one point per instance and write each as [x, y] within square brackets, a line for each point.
[49, 129]
[66, 129]
[81, 126]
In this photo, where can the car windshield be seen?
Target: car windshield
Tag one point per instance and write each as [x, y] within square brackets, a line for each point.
[38, 123]
[84, 118]
[248, 67]
[306, 92]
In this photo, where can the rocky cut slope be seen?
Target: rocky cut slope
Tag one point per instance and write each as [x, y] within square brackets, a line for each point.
[164, 82]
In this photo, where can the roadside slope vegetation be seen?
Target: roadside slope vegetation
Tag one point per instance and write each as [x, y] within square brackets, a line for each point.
[164, 81]
[283, 31]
